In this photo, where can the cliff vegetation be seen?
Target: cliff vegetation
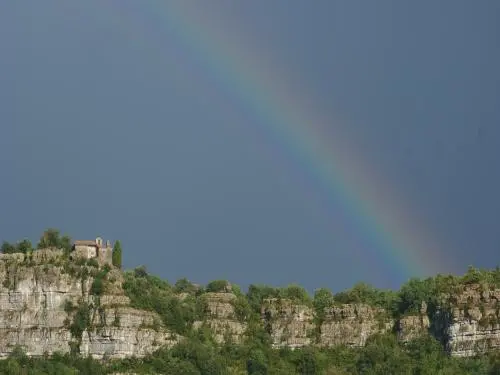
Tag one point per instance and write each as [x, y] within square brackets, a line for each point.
[65, 315]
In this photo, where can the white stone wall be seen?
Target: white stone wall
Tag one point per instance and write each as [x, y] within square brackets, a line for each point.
[86, 251]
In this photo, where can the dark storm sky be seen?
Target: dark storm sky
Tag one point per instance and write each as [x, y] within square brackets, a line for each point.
[109, 127]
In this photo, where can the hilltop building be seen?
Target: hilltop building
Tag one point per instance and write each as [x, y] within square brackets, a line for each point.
[94, 249]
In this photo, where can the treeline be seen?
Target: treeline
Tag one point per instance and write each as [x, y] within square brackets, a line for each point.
[152, 293]
[50, 238]
[146, 290]
[200, 355]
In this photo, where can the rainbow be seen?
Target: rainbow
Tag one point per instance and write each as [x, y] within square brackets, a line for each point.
[296, 129]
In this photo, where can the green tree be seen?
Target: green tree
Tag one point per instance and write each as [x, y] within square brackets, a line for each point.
[257, 362]
[185, 286]
[323, 298]
[306, 362]
[296, 293]
[117, 255]
[24, 246]
[141, 271]
[8, 248]
[12, 367]
[49, 238]
[472, 276]
[217, 286]
[52, 238]
[257, 293]
[65, 243]
[413, 293]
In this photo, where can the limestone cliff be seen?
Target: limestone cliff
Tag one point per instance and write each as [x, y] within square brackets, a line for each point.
[353, 324]
[221, 317]
[288, 323]
[47, 305]
[294, 325]
[410, 327]
[469, 321]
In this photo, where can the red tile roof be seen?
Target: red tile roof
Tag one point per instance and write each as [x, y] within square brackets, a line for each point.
[85, 243]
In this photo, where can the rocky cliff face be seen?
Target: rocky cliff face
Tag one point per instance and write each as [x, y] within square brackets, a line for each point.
[467, 323]
[51, 304]
[353, 324]
[221, 318]
[289, 324]
[470, 321]
[47, 306]
[411, 327]
[293, 325]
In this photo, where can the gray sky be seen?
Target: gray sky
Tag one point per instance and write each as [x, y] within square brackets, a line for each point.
[111, 125]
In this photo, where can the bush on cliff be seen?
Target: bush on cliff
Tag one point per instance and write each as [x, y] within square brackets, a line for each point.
[151, 293]
[23, 246]
[52, 238]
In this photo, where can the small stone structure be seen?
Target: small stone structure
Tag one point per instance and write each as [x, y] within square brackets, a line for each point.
[94, 250]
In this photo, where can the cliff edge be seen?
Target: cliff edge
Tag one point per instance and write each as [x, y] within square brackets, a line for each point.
[49, 303]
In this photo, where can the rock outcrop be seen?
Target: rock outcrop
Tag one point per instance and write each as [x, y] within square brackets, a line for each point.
[353, 324]
[294, 325]
[47, 306]
[410, 327]
[466, 322]
[289, 324]
[470, 321]
[221, 318]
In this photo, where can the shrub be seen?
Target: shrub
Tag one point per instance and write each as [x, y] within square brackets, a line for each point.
[257, 293]
[81, 321]
[92, 262]
[323, 299]
[98, 285]
[141, 271]
[296, 293]
[242, 309]
[185, 286]
[217, 286]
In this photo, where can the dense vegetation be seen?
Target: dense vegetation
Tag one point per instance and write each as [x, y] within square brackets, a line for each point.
[50, 238]
[179, 305]
[199, 355]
